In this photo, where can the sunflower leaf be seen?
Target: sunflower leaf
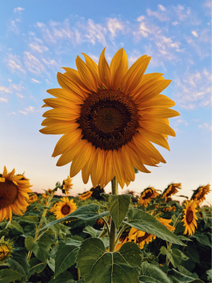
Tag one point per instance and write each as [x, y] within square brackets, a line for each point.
[97, 265]
[180, 278]
[9, 275]
[85, 213]
[118, 206]
[36, 266]
[151, 273]
[64, 277]
[148, 223]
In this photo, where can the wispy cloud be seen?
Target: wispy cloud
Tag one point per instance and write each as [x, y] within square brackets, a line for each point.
[14, 64]
[194, 33]
[18, 9]
[3, 99]
[114, 25]
[4, 89]
[205, 126]
[38, 48]
[27, 110]
[35, 81]
[33, 64]
[160, 15]
[95, 32]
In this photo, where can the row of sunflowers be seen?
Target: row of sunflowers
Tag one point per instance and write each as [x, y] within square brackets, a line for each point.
[43, 237]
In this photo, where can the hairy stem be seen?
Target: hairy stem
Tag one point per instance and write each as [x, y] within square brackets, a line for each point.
[112, 236]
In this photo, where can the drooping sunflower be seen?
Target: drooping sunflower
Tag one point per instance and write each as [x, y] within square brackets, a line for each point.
[86, 195]
[171, 190]
[14, 191]
[109, 116]
[166, 223]
[46, 194]
[146, 196]
[189, 217]
[64, 207]
[200, 193]
[6, 249]
[139, 237]
[67, 185]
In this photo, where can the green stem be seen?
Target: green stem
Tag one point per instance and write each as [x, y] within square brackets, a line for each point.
[8, 223]
[78, 273]
[112, 235]
[120, 233]
[104, 230]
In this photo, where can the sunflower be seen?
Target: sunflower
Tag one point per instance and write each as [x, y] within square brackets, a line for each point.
[166, 222]
[67, 185]
[53, 207]
[108, 117]
[139, 237]
[171, 190]
[189, 217]
[200, 193]
[46, 194]
[147, 195]
[32, 198]
[122, 240]
[14, 191]
[64, 207]
[86, 195]
[5, 250]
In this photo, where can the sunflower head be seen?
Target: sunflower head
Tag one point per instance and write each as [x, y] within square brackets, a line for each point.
[166, 223]
[14, 191]
[200, 193]
[139, 237]
[67, 185]
[189, 217]
[109, 116]
[32, 198]
[146, 196]
[64, 207]
[171, 190]
[86, 195]
[5, 250]
[47, 193]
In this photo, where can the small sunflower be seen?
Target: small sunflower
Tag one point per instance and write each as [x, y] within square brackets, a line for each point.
[5, 250]
[53, 207]
[166, 222]
[189, 217]
[64, 207]
[46, 195]
[109, 117]
[139, 237]
[14, 191]
[147, 195]
[86, 195]
[200, 193]
[32, 198]
[122, 240]
[171, 190]
[67, 185]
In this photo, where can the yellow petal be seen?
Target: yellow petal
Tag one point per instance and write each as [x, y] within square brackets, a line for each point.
[86, 170]
[158, 127]
[158, 113]
[65, 114]
[59, 102]
[74, 76]
[104, 70]
[93, 68]
[60, 128]
[66, 94]
[159, 101]
[118, 162]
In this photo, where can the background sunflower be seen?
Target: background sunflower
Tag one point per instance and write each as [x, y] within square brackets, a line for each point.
[189, 217]
[64, 207]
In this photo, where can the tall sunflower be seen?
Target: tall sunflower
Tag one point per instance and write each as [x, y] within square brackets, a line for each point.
[189, 217]
[67, 185]
[64, 207]
[172, 189]
[200, 193]
[109, 116]
[147, 195]
[14, 191]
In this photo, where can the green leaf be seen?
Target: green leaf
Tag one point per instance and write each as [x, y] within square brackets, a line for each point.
[163, 250]
[29, 219]
[148, 223]
[65, 258]
[86, 213]
[64, 277]
[209, 273]
[36, 266]
[15, 225]
[51, 263]
[182, 278]
[98, 265]
[41, 248]
[19, 262]
[202, 239]
[136, 170]
[151, 273]
[29, 242]
[176, 256]
[193, 254]
[91, 231]
[118, 206]
[9, 275]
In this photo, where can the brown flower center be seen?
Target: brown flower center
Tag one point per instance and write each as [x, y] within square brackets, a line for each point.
[141, 239]
[148, 195]
[108, 119]
[189, 217]
[65, 209]
[8, 193]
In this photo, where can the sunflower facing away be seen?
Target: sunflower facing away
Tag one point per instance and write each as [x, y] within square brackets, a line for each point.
[189, 217]
[14, 191]
[147, 195]
[108, 116]
[200, 193]
[171, 190]
[67, 185]
[139, 237]
[86, 195]
[64, 207]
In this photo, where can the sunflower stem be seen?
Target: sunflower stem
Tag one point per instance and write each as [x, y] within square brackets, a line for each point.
[112, 235]
[120, 233]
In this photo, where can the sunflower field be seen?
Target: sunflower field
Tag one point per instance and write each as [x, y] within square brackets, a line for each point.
[68, 239]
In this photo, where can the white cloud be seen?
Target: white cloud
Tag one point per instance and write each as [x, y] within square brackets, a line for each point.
[141, 18]
[161, 7]
[4, 89]
[114, 25]
[95, 32]
[19, 95]
[9, 80]
[50, 63]
[14, 64]
[175, 23]
[33, 64]
[18, 9]
[23, 112]
[206, 126]
[35, 81]
[159, 15]
[38, 48]
[194, 33]
[30, 109]
[3, 99]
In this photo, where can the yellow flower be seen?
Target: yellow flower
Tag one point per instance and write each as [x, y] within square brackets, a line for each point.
[5, 250]
[53, 207]
[171, 190]
[147, 195]
[14, 191]
[32, 198]
[67, 185]
[200, 193]
[109, 116]
[64, 207]
[85, 195]
[189, 217]
[166, 222]
[45, 195]
[140, 237]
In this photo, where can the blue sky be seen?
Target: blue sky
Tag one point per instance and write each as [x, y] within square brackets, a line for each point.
[37, 38]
